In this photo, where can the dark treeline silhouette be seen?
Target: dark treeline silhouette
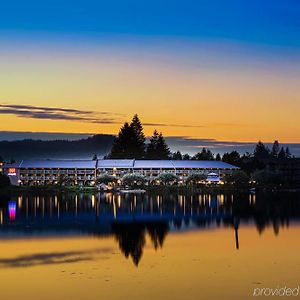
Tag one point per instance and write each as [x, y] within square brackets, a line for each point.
[263, 166]
[131, 143]
[99, 144]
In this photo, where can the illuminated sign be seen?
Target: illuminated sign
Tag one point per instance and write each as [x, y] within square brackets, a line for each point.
[11, 172]
[12, 208]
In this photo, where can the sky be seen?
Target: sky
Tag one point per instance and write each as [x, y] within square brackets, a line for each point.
[222, 70]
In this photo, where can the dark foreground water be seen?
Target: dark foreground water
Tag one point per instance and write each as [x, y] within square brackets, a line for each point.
[172, 246]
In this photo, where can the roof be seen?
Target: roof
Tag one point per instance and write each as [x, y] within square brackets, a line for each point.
[115, 163]
[122, 163]
[182, 164]
[59, 164]
[202, 164]
[156, 164]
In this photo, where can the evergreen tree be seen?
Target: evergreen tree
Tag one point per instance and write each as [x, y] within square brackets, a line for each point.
[163, 150]
[275, 149]
[157, 147]
[261, 151]
[177, 155]
[152, 146]
[186, 157]
[123, 145]
[140, 139]
[205, 154]
[232, 157]
[281, 154]
[287, 153]
[130, 142]
[218, 157]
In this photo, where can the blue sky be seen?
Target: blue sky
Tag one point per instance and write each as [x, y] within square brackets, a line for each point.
[235, 65]
[272, 22]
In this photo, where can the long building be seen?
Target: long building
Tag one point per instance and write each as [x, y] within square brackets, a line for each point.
[85, 172]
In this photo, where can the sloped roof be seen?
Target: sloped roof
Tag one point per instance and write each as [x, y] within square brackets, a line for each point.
[156, 164]
[122, 163]
[59, 164]
[202, 164]
[115, 163]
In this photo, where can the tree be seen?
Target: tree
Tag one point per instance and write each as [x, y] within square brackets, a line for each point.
[4, 180]
[177, 155]
[238, 177]
[157, 147]
[287, 153]
[163, 150]
[282, 154]
[232, 157]
[139, 139]
[123, 145]
[134, 179]
[267, 177]
[218, 157]
[95, 157]
[106, 179]
[195, 178]
[205, 154]
[167, 178]
[275, 149]
[130, 142]
[186, 157]
[261, 151]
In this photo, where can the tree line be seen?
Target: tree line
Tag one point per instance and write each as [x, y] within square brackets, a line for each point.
[131, 143]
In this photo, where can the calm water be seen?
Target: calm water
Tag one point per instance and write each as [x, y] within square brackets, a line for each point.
[173, 246]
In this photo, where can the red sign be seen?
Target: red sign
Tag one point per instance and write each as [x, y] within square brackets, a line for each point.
[11, 171]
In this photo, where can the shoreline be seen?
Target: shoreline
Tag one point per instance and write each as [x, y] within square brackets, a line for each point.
[16, 190]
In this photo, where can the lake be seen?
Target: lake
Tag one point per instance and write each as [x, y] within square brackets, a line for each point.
[148, 246]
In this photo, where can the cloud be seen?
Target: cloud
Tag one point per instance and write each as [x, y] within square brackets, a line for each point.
[173, 125]
[57, 113]
[51, 258]
[68, 114]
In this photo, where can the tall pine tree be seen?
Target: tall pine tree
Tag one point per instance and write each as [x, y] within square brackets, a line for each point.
[123, 144]
[130, 142]
[157, 147]
[139, 139]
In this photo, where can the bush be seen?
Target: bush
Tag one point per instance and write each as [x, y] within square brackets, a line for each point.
[167, 178]
[133, 179]
[267, 177]
[4, 181]
[195, 178]
[106, 179]
[238, 177]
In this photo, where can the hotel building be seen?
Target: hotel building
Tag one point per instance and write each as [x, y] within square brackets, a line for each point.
[85, 172]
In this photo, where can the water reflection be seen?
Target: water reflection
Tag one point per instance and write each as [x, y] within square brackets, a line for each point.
[131, 218]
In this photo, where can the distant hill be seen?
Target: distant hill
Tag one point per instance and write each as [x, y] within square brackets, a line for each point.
[99, 144]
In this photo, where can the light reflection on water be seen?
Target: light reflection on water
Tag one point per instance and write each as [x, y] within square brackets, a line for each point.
[171, 233]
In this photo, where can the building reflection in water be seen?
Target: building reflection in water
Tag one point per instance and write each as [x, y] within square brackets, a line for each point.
[131, 218]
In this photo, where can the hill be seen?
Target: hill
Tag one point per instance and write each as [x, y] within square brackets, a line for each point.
[99, 144]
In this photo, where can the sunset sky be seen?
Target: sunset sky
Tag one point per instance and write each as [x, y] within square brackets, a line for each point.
[224, 70]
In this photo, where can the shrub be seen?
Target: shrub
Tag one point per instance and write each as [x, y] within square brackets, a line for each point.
[133, 179]
[195, 178]
[106, 179]
[267, 177]
[238, 177]
[167, 178]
